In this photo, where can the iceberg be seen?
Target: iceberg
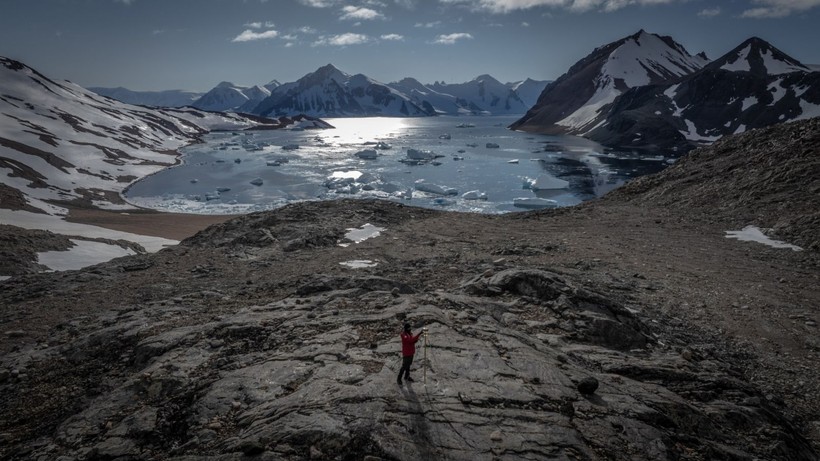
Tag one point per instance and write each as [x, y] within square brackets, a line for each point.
[383, 146]
[367, 154]
[492, 145]
[435, 188]
[547, 182]
[416, 154]
[257, 182]
[474, 195]
[290, 147]
[534, 202]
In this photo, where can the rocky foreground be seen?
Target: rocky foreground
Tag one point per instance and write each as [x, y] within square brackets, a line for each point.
[251, 341]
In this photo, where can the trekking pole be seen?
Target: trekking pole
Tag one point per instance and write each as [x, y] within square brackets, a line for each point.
[424, 368]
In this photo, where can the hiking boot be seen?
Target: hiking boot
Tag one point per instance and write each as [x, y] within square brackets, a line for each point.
[409, 379]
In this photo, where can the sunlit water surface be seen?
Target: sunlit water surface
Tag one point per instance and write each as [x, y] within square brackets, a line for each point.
[258, 170]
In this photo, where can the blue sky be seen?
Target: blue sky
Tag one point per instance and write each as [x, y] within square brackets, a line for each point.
[195, 44]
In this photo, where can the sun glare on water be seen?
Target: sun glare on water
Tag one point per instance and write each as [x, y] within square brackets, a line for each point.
[360, 130]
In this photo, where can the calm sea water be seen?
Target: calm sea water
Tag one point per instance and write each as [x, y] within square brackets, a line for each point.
[251, 171]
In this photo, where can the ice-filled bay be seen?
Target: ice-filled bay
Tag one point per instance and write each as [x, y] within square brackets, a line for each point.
[448, 167]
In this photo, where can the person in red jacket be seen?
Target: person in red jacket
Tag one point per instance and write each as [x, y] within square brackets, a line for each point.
[408, 350]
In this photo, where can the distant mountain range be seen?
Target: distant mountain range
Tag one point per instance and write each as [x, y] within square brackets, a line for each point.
[329, 92]
[62, 143]
[646, 91]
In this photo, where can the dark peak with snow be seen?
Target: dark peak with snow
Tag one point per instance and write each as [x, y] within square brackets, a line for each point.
[226, 85]
[758, 57]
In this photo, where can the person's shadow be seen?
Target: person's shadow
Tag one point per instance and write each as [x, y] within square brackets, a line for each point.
[418, 425]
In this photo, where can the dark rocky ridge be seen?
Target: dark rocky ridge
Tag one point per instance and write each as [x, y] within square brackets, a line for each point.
[250, 339]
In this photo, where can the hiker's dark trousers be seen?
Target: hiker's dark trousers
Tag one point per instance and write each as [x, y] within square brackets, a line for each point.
[405, 366]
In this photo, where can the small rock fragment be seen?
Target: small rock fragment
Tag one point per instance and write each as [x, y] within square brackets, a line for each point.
[588, 385]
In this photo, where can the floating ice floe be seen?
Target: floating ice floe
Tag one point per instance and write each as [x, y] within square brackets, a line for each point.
[492, 145]
[515, 160]
[420, 154]
[465, 125]
[534, 202]
[290, 147]
[367, 154]
[223, 189]
[474, 195]
[548, 182]
[434, 188]
[445, 136]
[440, 201]
[257, 182]
[754, 234]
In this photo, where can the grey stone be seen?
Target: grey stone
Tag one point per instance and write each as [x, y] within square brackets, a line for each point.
[588, 385]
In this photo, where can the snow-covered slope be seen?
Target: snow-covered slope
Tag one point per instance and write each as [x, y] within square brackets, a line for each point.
[579, 100]
[61, 142]
[428, 98]
[330, 92]
[227, 96]
[169, 98]
[529, 90]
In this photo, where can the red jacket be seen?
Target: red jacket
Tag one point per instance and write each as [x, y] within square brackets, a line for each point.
[408, 344]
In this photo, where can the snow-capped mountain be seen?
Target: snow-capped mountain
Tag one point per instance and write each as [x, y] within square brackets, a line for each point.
[429, 99]
[759, 57]
[169, 98]
[579, 100]
[330, 92]
[61, 142]
[227, 96]
[529, 90]
[483, 95]
[753, 86]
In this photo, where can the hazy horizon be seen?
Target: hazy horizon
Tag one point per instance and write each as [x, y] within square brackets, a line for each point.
[152, 45]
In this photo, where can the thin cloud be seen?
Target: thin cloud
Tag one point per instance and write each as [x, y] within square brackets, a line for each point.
[359, 13]
[709, 12]
[525, 24]
[427, 25]
[778, 8]
[124, 2]
[342, 40]
[318, 3]
[451, 39]
[249, 35]
[393, 37]
[307, 30]
[507, 6]
[260, 25]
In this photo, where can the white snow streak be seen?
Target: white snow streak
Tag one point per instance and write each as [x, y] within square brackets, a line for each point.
[754, 234]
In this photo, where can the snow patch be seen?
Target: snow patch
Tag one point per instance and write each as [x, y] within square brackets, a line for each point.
[749, 102]
[359, 235]
[742, 62]
[777, 67]
[754, 234]
[359, 264]
[29, 220]
[82, 254]
[777, 91]
[810, 110]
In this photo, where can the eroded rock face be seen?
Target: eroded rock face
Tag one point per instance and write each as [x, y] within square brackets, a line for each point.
[509, 357]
